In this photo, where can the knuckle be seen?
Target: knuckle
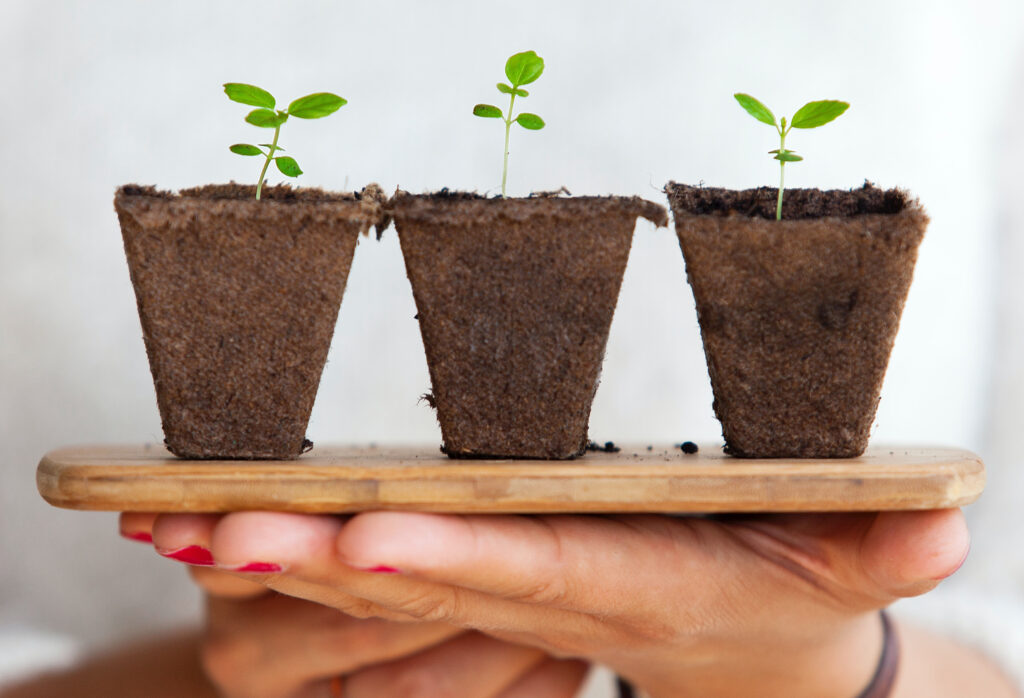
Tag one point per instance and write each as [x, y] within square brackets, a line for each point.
[350, 605]
[552, 591]
[442, 605]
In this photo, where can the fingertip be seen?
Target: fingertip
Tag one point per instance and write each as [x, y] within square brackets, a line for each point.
[909, 553]
[246, 540]
[136, 526]
[391, 539]
[179, 531]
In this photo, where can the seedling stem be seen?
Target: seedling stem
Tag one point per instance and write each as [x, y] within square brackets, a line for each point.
[266, 164]
[782, 170]
[314, 106]
[520, 69]
[811, 115]
[508, 128]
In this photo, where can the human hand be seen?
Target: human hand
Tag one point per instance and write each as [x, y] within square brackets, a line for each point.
[738, 606]
[261, 644]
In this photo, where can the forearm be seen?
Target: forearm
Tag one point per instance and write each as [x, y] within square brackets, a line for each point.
[938, 667]
[164, 667]
[931, 665]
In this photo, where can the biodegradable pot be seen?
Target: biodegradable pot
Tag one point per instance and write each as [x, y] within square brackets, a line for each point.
[798, 316]
[515, 298]
[238, 299]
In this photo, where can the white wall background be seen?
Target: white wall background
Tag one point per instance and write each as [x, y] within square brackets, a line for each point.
[93, 95]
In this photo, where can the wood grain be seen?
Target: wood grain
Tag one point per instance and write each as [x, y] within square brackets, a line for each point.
[350, 479]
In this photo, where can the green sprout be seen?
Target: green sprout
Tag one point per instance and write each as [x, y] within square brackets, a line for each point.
[521, 69]
[314, 106]
[811, 115]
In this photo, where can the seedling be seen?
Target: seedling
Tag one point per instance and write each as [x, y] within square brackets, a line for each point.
[811, 115]
[520, 69]
[314, 106]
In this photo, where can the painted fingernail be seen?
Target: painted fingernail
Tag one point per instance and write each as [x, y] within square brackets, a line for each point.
[141, 536]
[381, 569]
[258, 567]
[192, 554]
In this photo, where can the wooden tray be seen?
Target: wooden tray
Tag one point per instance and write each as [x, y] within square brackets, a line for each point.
[659, 479]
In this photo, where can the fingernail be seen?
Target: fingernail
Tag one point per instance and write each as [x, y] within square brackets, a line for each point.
[380, 569]
[192, 554]
[141, 536]
[258, 567]
[958, 565]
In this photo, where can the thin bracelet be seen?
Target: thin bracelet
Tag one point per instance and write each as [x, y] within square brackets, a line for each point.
[888, 664]
[881, 683]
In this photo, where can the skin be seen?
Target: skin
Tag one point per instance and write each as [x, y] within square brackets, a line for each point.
[730, 606]
[261, 644]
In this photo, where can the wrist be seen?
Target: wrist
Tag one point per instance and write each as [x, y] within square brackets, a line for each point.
[839, 663]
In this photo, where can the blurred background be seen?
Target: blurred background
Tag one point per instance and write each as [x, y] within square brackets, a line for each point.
[634, 94]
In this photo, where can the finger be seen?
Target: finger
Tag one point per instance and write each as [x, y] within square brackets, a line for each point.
[600, 565]
[189, 538]
[863, 561]
[304, 547]
[552, 678]
[273, 645]
[909, 553]
[185, 537]
[226, 585]
[137, 526]
[470, 666]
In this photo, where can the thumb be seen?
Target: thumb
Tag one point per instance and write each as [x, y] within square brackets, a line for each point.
[907, 553]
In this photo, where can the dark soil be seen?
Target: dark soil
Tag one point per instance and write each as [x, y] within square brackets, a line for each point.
[246, 192]
[515, 298]
[608, 447]
[798, 316]
[238, 300]
[797, 204]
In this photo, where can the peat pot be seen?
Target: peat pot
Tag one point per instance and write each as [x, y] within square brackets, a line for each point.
[798, 316]
[238, 299]
[515, 298]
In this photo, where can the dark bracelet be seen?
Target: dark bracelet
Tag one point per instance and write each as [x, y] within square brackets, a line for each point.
[881, 683]
[888, 664]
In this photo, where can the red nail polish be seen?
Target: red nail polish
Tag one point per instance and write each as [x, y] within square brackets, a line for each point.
[141, 536]
[192, 554]
[259, 568]
[381, 569]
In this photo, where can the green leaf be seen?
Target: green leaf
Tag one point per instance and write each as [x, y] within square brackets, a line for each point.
[755, 108]
[265, 118]
[288, 166]
[245, 149]
[523, 68]
[530, 121]
[249, 94]
[271, 145]
[517, 91]
[786, 156]
[487, 111]
[814, 114]
[316, 106]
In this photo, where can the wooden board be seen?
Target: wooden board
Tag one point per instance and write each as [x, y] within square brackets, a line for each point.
[663, 479]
